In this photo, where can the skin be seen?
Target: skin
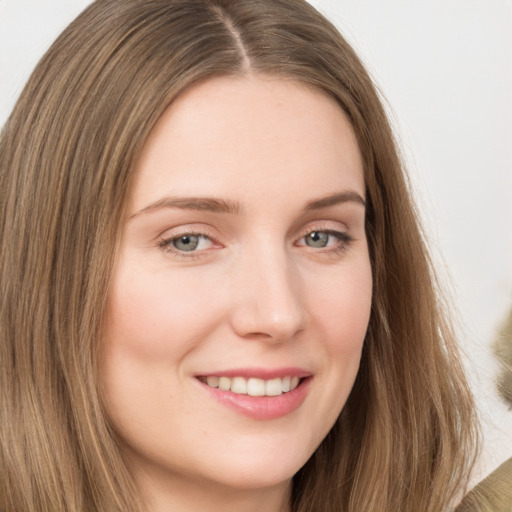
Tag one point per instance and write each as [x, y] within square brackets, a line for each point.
[256, 292]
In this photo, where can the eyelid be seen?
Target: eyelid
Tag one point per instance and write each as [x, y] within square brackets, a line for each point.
[323, 225]
[199, 228]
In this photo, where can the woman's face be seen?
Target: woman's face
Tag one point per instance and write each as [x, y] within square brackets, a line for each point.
[242, 289]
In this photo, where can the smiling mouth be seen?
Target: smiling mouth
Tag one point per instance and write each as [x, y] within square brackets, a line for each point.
[253, 386]
[258, 393]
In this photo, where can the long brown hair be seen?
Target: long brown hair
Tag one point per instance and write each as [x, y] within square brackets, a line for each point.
[405, 440]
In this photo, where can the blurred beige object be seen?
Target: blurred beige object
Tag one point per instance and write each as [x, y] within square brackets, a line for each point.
[493, 494]
[503, 350]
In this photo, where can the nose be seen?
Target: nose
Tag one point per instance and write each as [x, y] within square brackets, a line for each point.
[267, 300]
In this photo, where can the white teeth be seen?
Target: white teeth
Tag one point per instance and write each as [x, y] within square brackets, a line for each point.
[253, 386]
[213, 382]
[274, 387]
[225, 383]
[256, 387]
[239, 386]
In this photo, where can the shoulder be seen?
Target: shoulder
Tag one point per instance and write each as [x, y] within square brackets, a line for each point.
[493, 494]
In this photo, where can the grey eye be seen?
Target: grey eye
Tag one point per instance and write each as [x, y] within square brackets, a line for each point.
[317, 239]
[186, 243]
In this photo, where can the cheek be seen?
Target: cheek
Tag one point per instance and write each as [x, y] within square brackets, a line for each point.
[152, 324]
[153, 315]
[342, 310]
[340, 313]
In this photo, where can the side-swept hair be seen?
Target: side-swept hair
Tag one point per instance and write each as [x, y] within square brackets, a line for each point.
[405, 440]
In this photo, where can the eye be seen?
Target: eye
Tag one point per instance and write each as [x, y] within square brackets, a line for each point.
[331, 240]
[186, 243]
[317, 239]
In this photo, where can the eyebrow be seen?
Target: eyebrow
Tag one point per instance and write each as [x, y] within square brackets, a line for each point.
[215, 205]
[207, 204]
[333, 200]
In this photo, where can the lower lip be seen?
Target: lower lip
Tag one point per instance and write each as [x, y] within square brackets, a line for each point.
[262, 407]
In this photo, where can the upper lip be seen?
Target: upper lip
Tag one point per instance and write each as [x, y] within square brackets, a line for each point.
[259, 373]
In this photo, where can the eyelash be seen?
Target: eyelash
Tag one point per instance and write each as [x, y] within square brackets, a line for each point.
[343, 243]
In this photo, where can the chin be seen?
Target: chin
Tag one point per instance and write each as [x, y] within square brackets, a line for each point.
[257, 469]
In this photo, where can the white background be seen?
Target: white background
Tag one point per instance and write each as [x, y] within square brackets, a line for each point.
[445, 69]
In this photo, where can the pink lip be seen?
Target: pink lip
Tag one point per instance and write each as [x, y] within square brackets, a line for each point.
[259, 373]
[262, 407]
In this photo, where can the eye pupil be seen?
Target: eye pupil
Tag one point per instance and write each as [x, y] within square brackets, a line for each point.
[317, 239]
[186, 242]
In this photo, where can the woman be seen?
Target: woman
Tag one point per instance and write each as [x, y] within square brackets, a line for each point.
[216, 293]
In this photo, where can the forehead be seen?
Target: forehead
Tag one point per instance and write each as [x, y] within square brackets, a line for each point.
[238, 134]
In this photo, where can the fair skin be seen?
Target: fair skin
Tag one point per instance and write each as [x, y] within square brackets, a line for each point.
[243, 264]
